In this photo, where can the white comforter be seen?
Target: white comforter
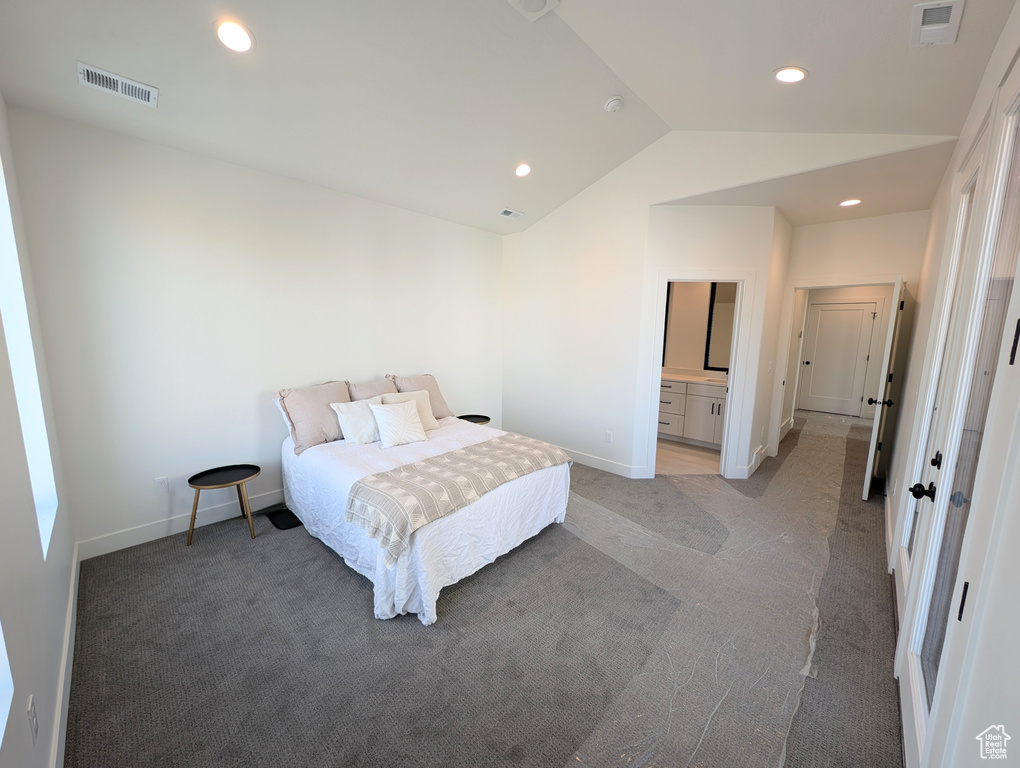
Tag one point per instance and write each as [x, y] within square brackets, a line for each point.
[316, 485]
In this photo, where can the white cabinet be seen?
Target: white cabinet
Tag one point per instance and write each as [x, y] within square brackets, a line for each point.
[692, 410]
[672, 402]
[699, 421]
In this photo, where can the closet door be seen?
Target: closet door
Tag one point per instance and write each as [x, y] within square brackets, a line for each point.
[835, 362]
[922, 534]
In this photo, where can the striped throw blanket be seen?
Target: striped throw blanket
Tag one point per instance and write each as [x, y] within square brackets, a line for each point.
[392, 505]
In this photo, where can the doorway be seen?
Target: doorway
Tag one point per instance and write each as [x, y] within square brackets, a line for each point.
[842, 335]
[694, 384]
[845, 359]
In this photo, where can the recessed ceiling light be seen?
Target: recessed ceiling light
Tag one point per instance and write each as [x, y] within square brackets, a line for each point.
[848, 203]
[790, 74]
[523, 169]
[234, 36]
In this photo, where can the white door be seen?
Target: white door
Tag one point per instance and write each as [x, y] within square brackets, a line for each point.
[882, 399]
[932, 538]
[835, 360]
[700, 418]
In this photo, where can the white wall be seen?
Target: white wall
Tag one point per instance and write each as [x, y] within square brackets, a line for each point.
[687, 328]
[793, 361]
[178, 293]
[843, 251]
[986, 639]
[582, 290]
[769, 393]
[34, 591]
[737, 241]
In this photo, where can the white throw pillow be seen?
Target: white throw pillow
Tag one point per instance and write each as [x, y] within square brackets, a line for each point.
[398, 423]
[356, 420]
[421, 401]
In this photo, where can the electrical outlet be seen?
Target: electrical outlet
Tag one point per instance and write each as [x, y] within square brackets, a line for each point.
[33, 718]
[609, 436]
[162, 488]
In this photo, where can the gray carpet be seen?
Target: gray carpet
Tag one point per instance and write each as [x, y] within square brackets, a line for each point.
[755, 485]
[625, 637]
[265, 653]
[658, 505]
[849, 712]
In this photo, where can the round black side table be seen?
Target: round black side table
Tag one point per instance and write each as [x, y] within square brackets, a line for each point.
[475, 418]
[223, 477]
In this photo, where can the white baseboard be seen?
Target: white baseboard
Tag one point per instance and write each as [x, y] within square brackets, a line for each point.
[624, 470]
[64, 682]
[888, 527]
[785, 428]
[129, 537]
[744, 472]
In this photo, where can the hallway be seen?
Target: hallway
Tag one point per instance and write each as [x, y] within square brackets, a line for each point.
[782, 650]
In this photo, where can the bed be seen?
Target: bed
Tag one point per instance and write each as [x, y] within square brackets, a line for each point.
[316, 485]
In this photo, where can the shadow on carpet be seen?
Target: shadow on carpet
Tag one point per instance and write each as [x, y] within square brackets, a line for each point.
[756, 485]
[657, 504]
[849, 713]
[265, 653]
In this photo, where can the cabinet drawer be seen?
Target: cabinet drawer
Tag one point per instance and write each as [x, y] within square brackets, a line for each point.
[672, 402]
[671, 424]
[717, 391]
[666, 386]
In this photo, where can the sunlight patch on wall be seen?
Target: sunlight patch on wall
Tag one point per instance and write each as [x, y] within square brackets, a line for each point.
[20, 350]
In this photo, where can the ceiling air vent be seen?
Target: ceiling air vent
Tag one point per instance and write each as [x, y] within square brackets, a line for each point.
[510, 213]
[935, 23]
[100, 80]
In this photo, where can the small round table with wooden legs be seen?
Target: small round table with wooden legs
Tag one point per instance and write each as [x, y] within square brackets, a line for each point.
[223, 477]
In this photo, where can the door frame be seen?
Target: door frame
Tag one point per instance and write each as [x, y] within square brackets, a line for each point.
[786, 331]
[739, 377]
[878, 310]
[916, 580]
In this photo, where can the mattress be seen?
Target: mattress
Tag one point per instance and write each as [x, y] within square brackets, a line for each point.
[316, 485]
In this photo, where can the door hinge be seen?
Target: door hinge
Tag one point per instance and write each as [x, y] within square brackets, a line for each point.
[963, 600]
[879, 446]
[867, 358]
[890, 379]
[901, 306]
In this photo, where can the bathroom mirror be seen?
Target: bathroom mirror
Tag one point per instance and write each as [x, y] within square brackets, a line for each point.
[721, 305]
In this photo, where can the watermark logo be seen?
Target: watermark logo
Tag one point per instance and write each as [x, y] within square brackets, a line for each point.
[993, 742]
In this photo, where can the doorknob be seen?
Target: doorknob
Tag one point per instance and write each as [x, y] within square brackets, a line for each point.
[937, 460]
[918, 491]
[807, 362]
[887, 403]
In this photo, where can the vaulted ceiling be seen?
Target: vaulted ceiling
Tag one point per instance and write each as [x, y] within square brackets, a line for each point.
[430, 105]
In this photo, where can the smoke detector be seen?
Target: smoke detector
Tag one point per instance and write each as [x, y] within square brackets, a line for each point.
[935, 23]
[510, 213]
[615, 104]
[533, 10]
[101, 80]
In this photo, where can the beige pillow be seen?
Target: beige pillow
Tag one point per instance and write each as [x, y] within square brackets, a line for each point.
[372, 389]
[398, 424]
[357, 422]
[421, 401]
[427, 382]
[312, 421]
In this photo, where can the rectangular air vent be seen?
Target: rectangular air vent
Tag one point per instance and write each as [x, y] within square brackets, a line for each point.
[935, 23]
[510, 213]
[100, 80]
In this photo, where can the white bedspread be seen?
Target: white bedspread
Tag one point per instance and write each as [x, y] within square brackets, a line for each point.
[317, 482]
